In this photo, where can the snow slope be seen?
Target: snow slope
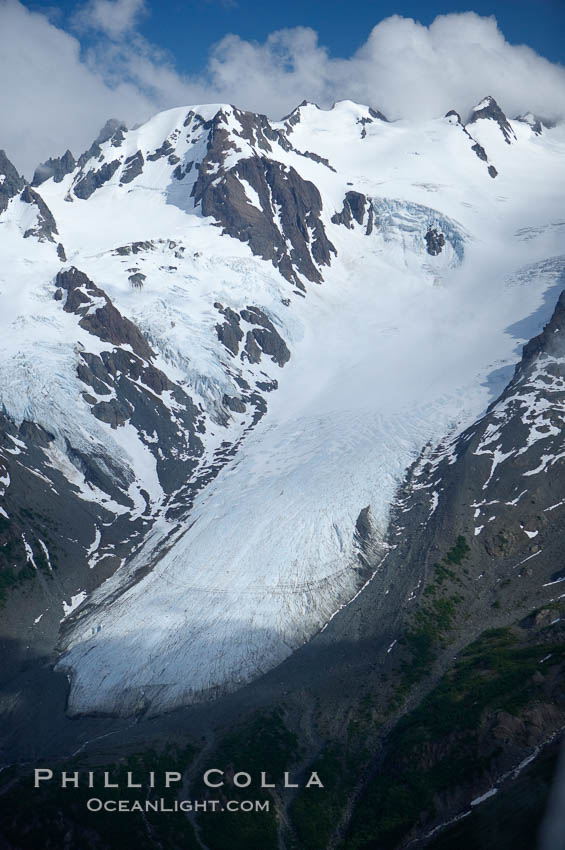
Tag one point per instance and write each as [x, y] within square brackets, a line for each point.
[395, 348]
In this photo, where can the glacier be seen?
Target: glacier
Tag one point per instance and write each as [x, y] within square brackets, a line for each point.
[394, 349]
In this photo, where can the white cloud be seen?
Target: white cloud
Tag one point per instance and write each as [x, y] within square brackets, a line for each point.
[404, 69]
[50, 99]
[114, 18]
[59, 97]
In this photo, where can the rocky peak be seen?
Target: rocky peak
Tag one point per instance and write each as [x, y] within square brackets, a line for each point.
[377, 114]
[112, 130]
[454, 118]
[281, 221]
[537, 124]
[56, 168]
[10, 181]
[489, 109]
[46, 227]
[295, 116]
[373, 115]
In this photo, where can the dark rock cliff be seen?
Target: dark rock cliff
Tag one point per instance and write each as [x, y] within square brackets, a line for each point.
[11, 183]
[46, 227]
[57, 168]
[492, 111]
[289, 206]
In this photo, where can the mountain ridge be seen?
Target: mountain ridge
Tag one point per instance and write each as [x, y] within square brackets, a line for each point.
[239, 250]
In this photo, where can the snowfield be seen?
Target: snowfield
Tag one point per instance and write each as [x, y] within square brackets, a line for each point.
[396, 348]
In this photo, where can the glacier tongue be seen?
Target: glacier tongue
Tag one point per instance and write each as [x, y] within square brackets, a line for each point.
[271, 552]
[400, 343]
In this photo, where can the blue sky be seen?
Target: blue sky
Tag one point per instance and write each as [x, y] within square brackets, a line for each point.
[188, 28]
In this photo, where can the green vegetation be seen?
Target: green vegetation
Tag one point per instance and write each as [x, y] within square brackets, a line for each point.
[9, 578]
[459, 552]
[13, 553]
[50, 817]
[433, 621]
[511, 819]
[263, 743]
[435, 747]
[315, 813]
[314, 817]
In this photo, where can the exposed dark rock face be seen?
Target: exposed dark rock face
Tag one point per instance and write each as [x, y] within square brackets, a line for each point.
[229, 332]
[94, 152]
[61, 252]
[272, 344]
[46, 228]
[375, 115]
[316, 158]
[133, 167]
[491, 110]
[293, 118]
[112, 129]
[477, 148]
[87, 183]
[135, 384]
[137, 388]
[498, 484]
[267, 386]
[536, 123]
[46, 533]
[435, 241]
[56, 168]
[233, 403]
[550, 343]
[290, 206]
[480, 151]
[492, 605]
[257, 130]
[104, 321]
[353, 209]
[284, 195]
[166, 149]
[134, 248]
[112, 412]
[11, 184]
[137, 280]
[262, 339]
[364, 540]
[180, 171]
[251, 350]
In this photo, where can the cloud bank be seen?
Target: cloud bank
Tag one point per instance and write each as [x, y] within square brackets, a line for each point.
[59, 95]
[114, 18]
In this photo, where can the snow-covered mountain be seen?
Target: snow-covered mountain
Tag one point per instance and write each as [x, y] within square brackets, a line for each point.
[224, 340]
